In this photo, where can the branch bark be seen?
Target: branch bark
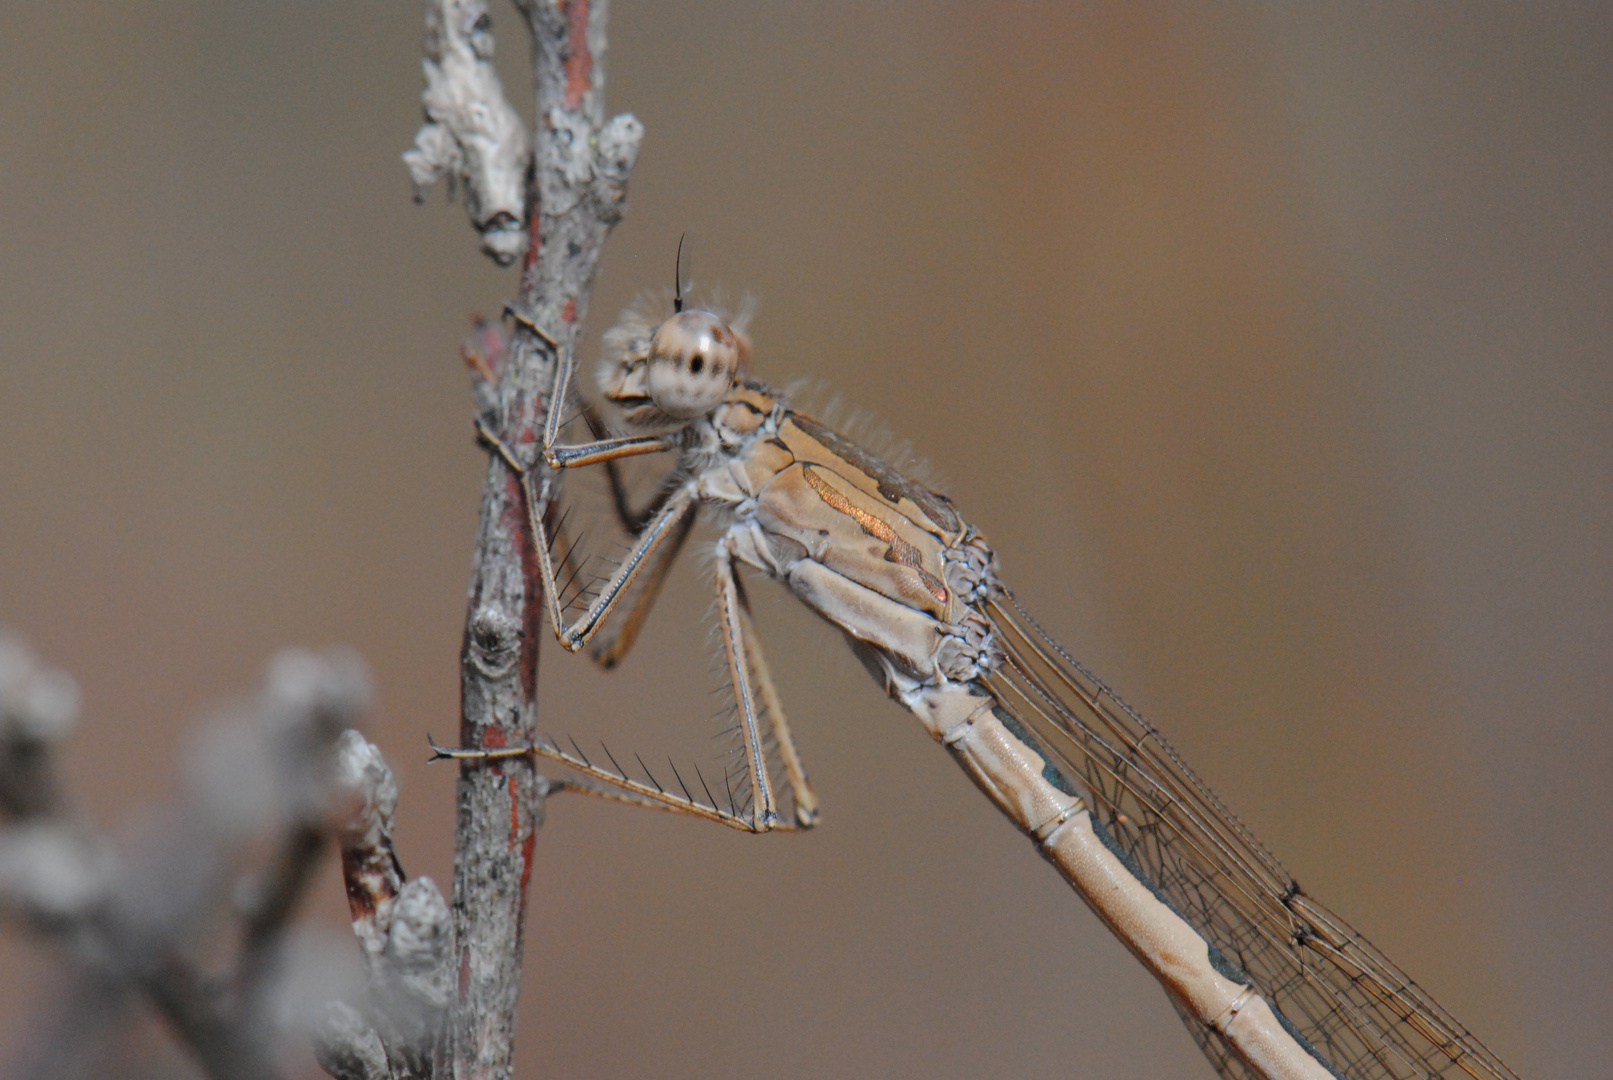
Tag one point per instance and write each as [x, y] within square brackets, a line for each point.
[576, 192]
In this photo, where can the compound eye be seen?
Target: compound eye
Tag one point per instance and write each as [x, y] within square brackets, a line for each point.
[693, 359]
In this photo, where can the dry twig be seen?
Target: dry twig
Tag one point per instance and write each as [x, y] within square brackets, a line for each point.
[573, 175]
[134, 918]
[403, 931]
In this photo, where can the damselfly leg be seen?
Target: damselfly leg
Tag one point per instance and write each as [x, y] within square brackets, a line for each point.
[806, 800]
[613, 648]
[662, 527]
[653, 552]
[730, 619]
[610, 651]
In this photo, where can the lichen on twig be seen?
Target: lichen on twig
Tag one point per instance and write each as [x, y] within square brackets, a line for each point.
[472, 137]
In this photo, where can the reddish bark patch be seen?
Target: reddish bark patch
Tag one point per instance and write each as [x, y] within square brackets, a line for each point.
[515, 815]
[483, 351]
[569, 312]
[579, 61]
[534, 241]
[526, 865]
[494, 738]
[517, 522]
[360, 900]
[464, 975]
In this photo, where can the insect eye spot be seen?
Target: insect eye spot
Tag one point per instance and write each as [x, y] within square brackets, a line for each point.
[697, 363]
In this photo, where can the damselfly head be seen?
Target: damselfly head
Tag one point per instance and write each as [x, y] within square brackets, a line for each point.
[693, 359]
[681, 370]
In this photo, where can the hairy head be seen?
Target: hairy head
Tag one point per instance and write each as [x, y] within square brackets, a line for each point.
[673, 372]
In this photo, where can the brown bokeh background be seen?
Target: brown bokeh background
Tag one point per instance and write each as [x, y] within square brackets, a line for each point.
[1268, 344]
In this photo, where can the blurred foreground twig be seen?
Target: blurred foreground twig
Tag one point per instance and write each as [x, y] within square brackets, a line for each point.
[141, 915]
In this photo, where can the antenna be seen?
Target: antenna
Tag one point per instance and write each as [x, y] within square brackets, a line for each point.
[677, 283]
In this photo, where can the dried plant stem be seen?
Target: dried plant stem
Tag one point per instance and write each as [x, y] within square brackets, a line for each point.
[580, 169]
[137, 917]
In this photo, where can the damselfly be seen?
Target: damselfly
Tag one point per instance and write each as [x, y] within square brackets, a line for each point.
[1271, 983]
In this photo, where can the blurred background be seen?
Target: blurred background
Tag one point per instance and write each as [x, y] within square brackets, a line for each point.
[1269, 345]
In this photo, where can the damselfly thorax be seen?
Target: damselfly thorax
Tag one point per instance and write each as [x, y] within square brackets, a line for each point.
[890, 563]
[1271, 983]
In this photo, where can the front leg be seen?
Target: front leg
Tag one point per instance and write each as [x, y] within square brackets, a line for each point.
[661, 528]
[601, 449]
[633, 521]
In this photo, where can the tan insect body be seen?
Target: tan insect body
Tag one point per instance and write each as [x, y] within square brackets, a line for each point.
[1150, 849]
